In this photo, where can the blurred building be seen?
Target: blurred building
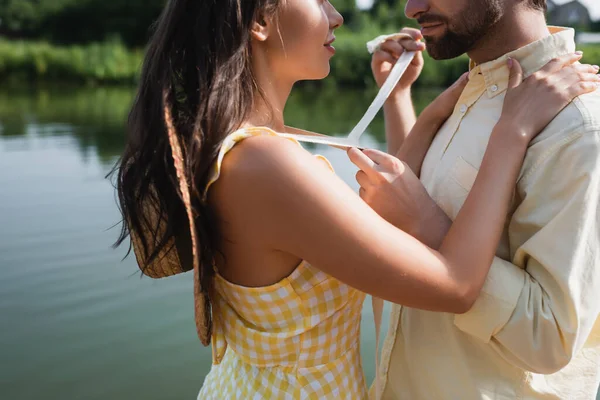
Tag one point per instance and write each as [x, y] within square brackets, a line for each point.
[572, 14]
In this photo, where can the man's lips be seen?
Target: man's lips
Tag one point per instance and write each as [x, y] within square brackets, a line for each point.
[430, 29]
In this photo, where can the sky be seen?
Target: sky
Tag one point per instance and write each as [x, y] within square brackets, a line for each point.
[592, 5]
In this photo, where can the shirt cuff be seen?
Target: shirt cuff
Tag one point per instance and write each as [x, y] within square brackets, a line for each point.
[496, 303]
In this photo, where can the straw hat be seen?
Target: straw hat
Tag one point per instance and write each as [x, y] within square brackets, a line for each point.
[181, 252]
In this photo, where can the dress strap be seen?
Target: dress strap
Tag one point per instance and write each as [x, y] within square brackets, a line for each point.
[229, 142]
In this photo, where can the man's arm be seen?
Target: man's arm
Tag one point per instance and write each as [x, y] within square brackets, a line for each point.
[539, 312]
[400, 117]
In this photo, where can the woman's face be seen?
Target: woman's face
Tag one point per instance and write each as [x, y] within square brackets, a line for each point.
[299, 47]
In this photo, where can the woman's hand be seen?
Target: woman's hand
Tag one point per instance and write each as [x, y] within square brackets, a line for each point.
[384, 59]
[442, 107]
[391, 188]
[531, 104]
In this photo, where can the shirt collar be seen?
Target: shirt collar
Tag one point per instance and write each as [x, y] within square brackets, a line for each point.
[532, 58]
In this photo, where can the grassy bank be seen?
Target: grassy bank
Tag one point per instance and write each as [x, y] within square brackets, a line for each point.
[113, 63]
[104, 63]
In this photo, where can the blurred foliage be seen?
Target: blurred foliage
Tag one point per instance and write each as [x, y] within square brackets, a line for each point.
[108, 62]
[79, 21]
[98, 41]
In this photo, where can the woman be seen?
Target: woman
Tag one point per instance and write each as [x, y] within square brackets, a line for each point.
[283, 251]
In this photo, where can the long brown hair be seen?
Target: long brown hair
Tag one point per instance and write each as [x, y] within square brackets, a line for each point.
[195, 88]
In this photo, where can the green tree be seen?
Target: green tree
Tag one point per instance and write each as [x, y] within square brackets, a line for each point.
[79, 21]
[389, 14]
[19, 17]
[349, 11]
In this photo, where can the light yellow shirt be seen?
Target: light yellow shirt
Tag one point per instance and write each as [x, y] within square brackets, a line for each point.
[534, 331]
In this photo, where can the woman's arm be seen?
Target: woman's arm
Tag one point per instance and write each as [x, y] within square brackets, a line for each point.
[472, 239]
[292, 204]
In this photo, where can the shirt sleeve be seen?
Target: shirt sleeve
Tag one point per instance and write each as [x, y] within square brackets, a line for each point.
[539, 310]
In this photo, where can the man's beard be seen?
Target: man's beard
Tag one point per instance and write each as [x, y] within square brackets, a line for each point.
[464, 31]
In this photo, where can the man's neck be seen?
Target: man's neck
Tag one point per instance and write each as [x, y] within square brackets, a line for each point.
[517, 28]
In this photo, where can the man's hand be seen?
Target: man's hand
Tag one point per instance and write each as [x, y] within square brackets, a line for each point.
[391, 188]
[384, 59]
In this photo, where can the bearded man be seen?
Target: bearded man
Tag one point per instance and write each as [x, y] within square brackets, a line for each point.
[534, 332]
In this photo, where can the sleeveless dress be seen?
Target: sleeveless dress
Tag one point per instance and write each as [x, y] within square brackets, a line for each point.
[296, 339]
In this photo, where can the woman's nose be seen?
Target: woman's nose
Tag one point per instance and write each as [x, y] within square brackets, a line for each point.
[335, 18]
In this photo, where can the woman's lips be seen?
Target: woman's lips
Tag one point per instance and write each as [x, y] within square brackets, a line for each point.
[329, 46]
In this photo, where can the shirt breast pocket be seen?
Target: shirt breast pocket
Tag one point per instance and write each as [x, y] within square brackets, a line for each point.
[455, 187]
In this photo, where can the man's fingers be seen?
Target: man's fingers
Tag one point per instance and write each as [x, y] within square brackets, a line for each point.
[383, 56]
[412, 45]
[392, 47]
[414, 33]
[418, 59]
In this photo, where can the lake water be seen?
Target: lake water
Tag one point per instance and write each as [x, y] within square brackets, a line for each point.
[78, 322]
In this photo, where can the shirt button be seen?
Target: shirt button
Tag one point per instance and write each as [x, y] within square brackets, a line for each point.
[463, 108]
[494, 88]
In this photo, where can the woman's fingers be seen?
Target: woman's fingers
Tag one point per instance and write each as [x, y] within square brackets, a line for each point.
[388, 163]
[577, 79]
[363, 179]
[586, 68]
[363, 162]
[578, 73]
[516, 73]
[587, 77]
[559, 63]
[582, 88]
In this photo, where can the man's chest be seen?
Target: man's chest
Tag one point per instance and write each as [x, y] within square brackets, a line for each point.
[455, 156]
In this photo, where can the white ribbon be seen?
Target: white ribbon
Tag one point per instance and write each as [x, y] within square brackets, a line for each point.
[352, 140]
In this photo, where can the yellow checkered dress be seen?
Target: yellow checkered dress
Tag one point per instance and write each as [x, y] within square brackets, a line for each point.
[296, 339]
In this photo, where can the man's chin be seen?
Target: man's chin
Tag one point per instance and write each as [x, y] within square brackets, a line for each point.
[442, 50]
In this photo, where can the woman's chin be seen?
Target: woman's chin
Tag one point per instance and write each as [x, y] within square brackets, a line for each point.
[323, 73]
[315, 74]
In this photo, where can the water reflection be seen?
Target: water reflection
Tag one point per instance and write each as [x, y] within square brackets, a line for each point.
[78, 322]
[96, 117]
